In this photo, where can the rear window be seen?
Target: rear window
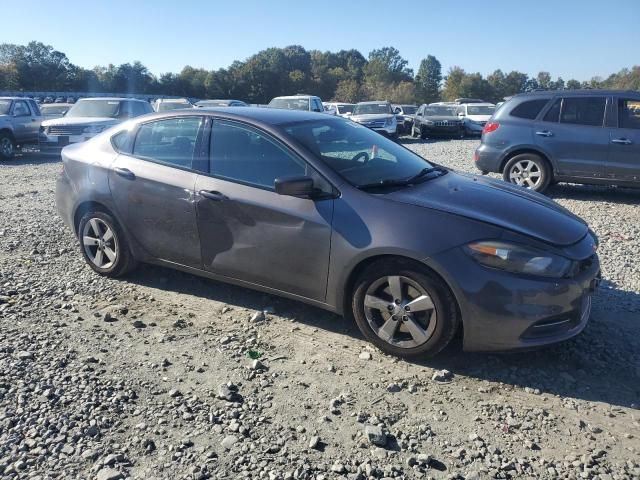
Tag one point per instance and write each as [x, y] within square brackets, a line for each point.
[529, 109]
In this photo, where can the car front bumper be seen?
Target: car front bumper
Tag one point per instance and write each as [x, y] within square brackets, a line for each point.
[502, 311]
[55, 143]
[443, 130]
[474, 127]
[387, 131]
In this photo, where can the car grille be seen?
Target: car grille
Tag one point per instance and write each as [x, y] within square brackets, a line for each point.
[65, 130]
[374, 124]
[446, 123]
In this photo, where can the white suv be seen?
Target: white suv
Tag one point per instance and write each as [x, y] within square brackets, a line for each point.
[307, 103]
[474, 116]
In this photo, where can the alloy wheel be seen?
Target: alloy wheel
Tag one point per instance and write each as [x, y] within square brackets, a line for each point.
[400, 311]
[100, 243]
[526, 173]
[6, 146]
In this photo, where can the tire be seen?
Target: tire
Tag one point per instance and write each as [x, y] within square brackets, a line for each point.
[436, 315]
[414, 132]
[423, 133]
[116, 244]
[7, 146]
[528, 170]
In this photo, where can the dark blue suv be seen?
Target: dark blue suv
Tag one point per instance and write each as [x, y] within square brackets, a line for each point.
[578, 136]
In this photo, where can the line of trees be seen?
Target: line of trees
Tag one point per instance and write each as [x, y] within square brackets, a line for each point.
[344, 76]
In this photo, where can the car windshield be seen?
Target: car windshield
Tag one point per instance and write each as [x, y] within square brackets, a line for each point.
[345, 109]
[439, 112]
[358, 154]
[95, 108]
[290, 103]
[54, 109]
[371, 108]
[409, 110]
[5, 106]
[480, 109]
[164, 106]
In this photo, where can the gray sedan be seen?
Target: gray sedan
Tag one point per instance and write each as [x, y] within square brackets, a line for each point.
[323, 210]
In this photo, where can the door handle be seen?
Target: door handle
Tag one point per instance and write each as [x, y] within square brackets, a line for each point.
[125, 172]
[213, 195]
[621, 141]
[545, 133]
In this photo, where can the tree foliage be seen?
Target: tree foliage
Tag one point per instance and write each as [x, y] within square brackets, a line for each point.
[345, 75]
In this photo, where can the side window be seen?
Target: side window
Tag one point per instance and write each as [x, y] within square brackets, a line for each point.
[243, 154]
[171, 140]
[34, 108]
[529, 109]
[629, 114]
[317, 105]
[20, 109]
[583, 111]
[553, 114]
[420, 111]
[120, 141]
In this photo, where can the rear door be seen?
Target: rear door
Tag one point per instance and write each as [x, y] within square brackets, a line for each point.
[248, 231]
[624, 151]
[25, 122]
[573, 134]
[153, 188]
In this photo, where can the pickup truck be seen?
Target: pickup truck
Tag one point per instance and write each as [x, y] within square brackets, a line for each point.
[20, 120]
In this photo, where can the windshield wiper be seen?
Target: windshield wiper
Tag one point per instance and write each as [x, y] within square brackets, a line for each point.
[401, 182]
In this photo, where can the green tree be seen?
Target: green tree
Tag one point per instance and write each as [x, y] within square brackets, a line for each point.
[453, 83]
[428, 80]
[573, 84]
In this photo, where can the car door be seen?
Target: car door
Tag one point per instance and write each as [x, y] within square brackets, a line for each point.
[25, 122]
[573, 134]
[153, 188]
[624, 151]
[248, 231]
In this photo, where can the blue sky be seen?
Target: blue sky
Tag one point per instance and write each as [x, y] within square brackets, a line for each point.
[569, 38]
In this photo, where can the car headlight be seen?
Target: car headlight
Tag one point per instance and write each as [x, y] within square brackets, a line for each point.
[93, 129]
[390, 121]
[518, 259]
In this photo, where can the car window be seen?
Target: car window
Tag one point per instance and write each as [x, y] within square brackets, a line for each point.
[34, 108]
[120, 140]
[553, 114]
[529, 109]
[317, 105]
[629, 113]
[20, 109]
[244, 154]
[583, 111]
[171, 140]
[133, 109]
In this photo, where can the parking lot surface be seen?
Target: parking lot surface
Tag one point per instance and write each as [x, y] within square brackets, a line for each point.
[165, 375]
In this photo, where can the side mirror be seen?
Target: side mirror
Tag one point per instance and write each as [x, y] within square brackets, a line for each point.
[297, 186]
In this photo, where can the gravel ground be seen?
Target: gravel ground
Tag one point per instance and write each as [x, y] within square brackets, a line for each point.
[166, 375]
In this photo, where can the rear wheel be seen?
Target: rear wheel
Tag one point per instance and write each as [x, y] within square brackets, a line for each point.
[103, 244]
[404, 310]
[7, 146]
[423, 133]
[528, 170]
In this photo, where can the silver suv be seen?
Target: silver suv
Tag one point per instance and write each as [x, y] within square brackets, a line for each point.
[20, 120]
[579, 136]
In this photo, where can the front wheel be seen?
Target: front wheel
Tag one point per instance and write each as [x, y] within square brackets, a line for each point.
[528, 170]
[7, 146]
[403, 310]
[103, 244]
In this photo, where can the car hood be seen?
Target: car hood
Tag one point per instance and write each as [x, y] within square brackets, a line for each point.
[479, 118]
[498, 203]
[442, 118]
[371, 116]
[81, 121]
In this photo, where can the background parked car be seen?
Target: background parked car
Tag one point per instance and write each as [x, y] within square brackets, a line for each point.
[86, 118]
[378, 116]
[164, 104]
[220, 103]
[340, 109]
[437, 120]
[474, 116]
[19, 124]
[581, 136]
[55, 110]
[404, 116]
[308, 103]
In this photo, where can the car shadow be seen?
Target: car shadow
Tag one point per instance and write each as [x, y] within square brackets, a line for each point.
[31, 158]
[419, 141]
[603, 193]
[599, 365]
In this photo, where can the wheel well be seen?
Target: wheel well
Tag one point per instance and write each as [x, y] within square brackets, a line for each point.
[84, 208]
[525, 150]
[6, 130]
[355, 273]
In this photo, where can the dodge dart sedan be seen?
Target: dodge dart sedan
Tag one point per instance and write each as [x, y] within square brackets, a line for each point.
[326, 211]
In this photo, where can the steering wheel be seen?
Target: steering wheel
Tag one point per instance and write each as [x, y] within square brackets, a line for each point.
[364, 155]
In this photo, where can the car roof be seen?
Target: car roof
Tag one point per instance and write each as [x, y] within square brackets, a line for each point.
[270, 116]
[290, 97]
[373, 102]
[47, 105]
[580, 92]
[479, 104]
[113, 99]
[15, 98]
